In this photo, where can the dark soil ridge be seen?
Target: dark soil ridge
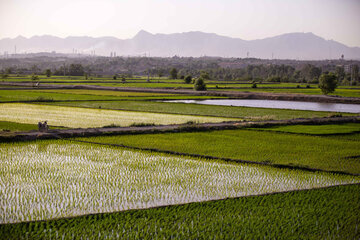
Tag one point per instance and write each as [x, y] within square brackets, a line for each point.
[89, 132]
[180, 204]
[233, 94]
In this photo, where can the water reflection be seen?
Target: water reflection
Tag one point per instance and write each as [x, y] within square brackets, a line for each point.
[313, 106]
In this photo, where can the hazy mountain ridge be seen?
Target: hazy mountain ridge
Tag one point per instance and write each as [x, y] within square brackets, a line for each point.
[302, 46]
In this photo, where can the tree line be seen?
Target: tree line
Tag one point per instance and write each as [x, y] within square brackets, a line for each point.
[256, 70]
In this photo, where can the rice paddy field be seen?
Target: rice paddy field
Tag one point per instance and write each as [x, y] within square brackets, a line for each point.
[248, 113]
[278, 88]
[328, 129]
[86, 118]
[16, 127]
[314, 152]
[50, 179]
[330, 213]
[298, 88]
[279, 182]
[312, 91]
[43, 95]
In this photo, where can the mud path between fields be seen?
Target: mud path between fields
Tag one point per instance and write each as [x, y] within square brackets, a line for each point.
[88, 132]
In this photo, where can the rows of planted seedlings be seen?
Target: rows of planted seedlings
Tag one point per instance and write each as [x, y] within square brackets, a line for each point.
[327, 153]
[74, 117]
[328, 213]
[53, 179]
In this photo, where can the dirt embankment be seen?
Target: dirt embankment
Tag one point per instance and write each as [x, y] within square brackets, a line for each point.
[230, 94]
[88, 132]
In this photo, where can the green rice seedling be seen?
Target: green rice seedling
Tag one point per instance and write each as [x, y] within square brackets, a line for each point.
[326, 129]
[248, 113]
[85, 118]
[326, 153]
[54, 179]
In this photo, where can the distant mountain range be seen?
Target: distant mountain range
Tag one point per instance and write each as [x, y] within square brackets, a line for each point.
[302, 46]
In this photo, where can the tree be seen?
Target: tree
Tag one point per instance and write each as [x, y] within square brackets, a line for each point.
[76, 70]
[160, 73]
[173, 73]
[200, 85]
[115, 76]
[340, 73]
[48, 73]
[327, 83]
[354, 73]
[34, 77]
[188, 79]
[204, 75]
[311, 73]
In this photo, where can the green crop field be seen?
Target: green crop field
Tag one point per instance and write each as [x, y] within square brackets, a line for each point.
[53, 179]
[248, 113]
[330, 213]
[351, 137]
[344, 91]
[36, 95]
[279, 182]
[104, 93]
[326, 129]
[258, 146]
[41, 95]
[85, 118]
[16, 127]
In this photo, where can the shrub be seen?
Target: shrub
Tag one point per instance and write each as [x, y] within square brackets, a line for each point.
[315, 80]
[48, 73]
[204, 75]
[200, 85]
[328, 83]
[44, 99]
[188, 79]
[173, 73]
[142, 124]
[34, 77]
[273, 79]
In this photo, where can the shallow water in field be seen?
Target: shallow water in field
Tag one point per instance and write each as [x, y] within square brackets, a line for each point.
[296, 105]
[52, 179]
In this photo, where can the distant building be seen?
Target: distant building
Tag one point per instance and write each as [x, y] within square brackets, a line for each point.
[348, 68]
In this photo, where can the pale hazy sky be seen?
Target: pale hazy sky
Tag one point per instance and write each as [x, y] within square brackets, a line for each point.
[247, 19]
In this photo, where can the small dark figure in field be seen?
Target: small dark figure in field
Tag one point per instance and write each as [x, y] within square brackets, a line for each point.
[43, 127]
